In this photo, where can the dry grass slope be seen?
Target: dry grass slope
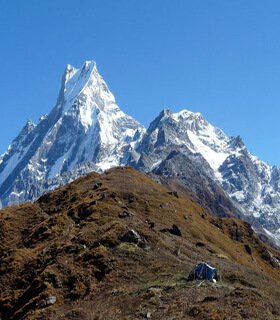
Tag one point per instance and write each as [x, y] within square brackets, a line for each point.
[96, 249]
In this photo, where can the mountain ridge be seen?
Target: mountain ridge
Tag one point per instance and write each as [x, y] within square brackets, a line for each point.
[118, 245]
[85, 125]
[87, 131]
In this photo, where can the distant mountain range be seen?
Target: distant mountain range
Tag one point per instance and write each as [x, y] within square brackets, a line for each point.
[87, 131]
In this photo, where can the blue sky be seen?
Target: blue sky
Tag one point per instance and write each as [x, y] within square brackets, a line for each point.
[218, 57]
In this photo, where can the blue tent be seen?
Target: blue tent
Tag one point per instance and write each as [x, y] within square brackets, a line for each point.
[203, 271]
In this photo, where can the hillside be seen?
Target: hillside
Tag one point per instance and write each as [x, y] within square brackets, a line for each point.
[118, 245]
[86, 131]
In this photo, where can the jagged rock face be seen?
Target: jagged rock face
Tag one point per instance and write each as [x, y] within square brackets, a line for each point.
[206, 161]
[86, 131]
[190, 173]
[254, 185]
[85, 126]
[167, 151]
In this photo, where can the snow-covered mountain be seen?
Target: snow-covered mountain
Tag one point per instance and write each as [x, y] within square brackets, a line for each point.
[251, 184]
[86, 131]
[85, 126]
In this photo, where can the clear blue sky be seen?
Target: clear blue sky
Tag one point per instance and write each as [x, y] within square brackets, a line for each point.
[218, 57]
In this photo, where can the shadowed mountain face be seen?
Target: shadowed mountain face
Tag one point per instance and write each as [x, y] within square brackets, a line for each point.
[86, 131]
[184, 149]
[187, 173]
[119, 245]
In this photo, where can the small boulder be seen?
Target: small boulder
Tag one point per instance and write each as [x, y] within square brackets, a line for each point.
[104, 195]
[174, 193]
[48, 301]
[174, 230]
[200, 244]
[93, 203]
[84, 211]
[126, 214]
[248, 249]
[97, 185]
[131, 236]
[150, 223]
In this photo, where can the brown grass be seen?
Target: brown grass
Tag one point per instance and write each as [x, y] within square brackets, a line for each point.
[69, 245]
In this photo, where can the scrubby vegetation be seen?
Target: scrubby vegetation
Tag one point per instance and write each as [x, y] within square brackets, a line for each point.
[120, 246]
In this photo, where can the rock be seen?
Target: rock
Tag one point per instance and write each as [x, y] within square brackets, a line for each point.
[104, 195]
[93, 203]
[268, 256]
[54, 280]
[178, 252]
[131, 236]
[126, 214]
[236, 234]
[97, 185]
[174, 230]
[82, 212]
[248, 249]
[51, 300]
[150, 223]
[47, 302]
[149, 315]
[200, 244]
[174, 193]
[194, 311]
[144, 245]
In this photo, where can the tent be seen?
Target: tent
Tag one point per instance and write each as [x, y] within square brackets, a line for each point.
[203, 271]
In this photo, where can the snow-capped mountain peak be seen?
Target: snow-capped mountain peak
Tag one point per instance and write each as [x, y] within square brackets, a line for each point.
[85, 126]
[87, 131]
[251, 184]
[85, 90]
[190, 130]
